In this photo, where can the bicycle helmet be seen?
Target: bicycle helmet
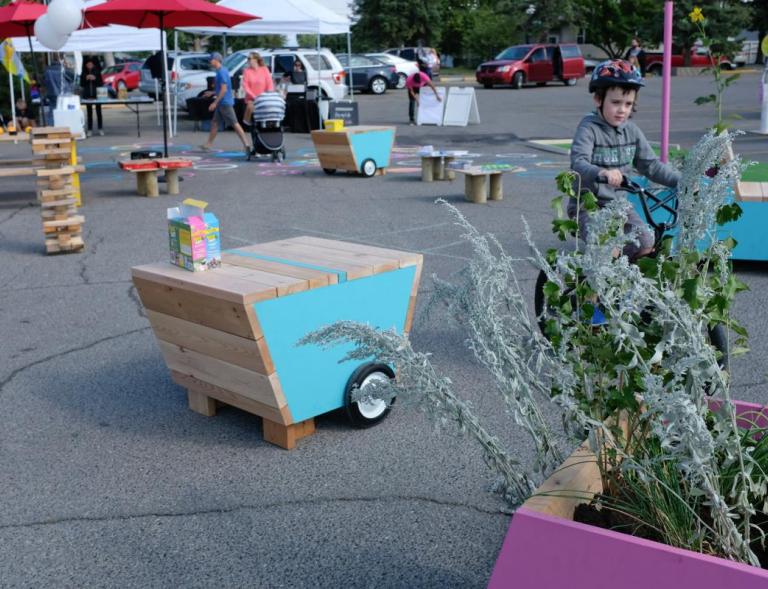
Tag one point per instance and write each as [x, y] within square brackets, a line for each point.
[615, 72]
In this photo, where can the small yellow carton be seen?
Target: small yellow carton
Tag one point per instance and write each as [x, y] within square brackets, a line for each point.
[334, 125]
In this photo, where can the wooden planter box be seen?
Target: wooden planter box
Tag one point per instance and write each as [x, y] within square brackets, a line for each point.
[228, 335]
[545, 548]
[352, 147]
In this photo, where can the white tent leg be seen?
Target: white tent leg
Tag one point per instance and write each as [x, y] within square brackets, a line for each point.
[13, 101]
[319, 87]
[175, 127]
[167, 84]
[349, 61]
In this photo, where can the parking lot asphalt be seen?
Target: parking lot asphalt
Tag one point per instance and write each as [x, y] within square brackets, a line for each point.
[107, 479]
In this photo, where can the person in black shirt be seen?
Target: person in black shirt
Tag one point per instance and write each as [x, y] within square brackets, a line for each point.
[90, 80]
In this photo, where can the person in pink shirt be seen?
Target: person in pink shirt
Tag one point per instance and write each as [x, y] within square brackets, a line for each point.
[256, 79]
[414, 84]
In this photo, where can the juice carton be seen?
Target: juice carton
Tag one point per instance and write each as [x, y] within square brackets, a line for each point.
[194, 237]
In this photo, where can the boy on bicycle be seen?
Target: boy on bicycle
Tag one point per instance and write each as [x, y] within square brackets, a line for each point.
[607, 146]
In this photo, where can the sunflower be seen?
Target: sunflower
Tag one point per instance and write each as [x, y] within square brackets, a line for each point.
[696, 15]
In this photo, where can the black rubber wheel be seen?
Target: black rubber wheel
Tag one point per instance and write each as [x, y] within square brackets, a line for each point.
[329, 171]
[487, 86]
[368, 168]
[655, 69]
[518, 80]
[364, 414]
[541, 84]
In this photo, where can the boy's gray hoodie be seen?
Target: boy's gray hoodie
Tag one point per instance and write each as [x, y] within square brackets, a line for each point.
[598, 145]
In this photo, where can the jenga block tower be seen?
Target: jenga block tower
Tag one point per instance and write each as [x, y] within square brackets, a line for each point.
[57, 190]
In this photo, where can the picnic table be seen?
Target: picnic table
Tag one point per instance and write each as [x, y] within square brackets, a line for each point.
[130, 103]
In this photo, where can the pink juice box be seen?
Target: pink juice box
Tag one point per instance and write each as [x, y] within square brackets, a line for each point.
[193, 236]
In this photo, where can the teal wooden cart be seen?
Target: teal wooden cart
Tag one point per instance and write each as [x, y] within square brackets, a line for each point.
[366, 150]
[229, 335]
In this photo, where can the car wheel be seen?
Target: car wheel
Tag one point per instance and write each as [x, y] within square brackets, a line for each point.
[368, 168]
[401, 80]
[487, 86]
[655, 69]
[122, 86]
[570, 82]
[368, 412]
[378, 85]
[517, 80]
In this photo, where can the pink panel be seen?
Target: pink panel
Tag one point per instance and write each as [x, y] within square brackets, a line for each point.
[541, 551]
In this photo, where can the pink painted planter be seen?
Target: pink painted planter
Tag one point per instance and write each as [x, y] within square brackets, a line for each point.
[544, 551]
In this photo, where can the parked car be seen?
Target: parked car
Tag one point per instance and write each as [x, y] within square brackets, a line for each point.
[280, 62]
[590, 65]
[369, 74]
[403, 67]
[187, 72]
[427, 54]
[523, 64]
[747, 55]
[122, 76]
[654, 60]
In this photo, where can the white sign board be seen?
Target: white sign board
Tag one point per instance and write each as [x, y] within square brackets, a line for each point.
[430, 110]
[461, 107]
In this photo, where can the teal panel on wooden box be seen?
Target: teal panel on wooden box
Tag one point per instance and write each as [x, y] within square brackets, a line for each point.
[376, 145]
[312, 378]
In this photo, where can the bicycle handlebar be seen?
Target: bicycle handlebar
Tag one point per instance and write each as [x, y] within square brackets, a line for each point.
[668, 203]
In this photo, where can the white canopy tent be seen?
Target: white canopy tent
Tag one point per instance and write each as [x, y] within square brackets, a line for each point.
[281, 18]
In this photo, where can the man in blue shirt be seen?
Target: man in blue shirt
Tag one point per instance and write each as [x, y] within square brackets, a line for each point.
[223, 106]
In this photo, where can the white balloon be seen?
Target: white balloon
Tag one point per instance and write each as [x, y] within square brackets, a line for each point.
[65, 16]
[47, 36]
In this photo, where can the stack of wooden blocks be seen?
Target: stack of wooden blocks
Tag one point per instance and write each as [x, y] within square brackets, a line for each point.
[57, 190]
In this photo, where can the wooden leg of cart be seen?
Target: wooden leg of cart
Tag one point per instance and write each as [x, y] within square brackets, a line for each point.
[201, 403]
[474, 188]
[286, 436]
[496, 191]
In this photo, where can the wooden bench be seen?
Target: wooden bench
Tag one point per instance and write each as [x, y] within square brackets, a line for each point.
[475, 181]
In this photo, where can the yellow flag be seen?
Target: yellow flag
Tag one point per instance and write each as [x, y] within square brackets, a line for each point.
[11, 60]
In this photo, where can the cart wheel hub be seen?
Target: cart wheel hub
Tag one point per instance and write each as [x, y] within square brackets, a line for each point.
[371, 408]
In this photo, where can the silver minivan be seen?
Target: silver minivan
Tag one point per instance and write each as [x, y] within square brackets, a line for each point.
[280, 62]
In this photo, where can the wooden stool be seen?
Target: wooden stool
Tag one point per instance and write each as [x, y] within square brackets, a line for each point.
[172, 165]
[435, 167]
[146, 175]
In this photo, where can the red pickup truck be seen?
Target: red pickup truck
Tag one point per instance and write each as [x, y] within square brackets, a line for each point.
[699, 58]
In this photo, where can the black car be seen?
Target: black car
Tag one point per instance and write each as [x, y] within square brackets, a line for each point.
[369, 74]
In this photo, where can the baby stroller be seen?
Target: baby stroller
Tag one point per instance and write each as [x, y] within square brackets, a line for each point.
[266, 126]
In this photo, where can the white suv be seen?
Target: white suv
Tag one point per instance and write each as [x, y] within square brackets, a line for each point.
[188, 72]
[280, 62]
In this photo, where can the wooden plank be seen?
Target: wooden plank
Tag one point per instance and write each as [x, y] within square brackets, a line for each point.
[201, 403]
[48, 141]
[310, 255]
[22, 171]
[59, 203]
[222, 285]
[576, 481]
[63, 171]
[244, 382]
[405, 258]
[66, 152]
[314, 278]
[285, 285]
[378, 264]
[234, 349]
[36, 131]
[76, 220]
[281, 415]
[52, 194]
[196, 307]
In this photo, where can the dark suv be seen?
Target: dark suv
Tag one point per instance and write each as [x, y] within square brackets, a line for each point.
[426, 54]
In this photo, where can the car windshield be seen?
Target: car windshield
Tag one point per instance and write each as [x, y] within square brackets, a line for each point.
[233, 61]
[113, 69]
[515, 53]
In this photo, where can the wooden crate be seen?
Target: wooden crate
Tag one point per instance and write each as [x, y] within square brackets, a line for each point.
[227, 335]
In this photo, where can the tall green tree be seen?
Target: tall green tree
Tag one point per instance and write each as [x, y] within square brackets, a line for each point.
[391, 23]
[611, 24]
[759, 22]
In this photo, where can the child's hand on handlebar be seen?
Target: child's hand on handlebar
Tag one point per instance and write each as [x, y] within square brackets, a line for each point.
[614, 177]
